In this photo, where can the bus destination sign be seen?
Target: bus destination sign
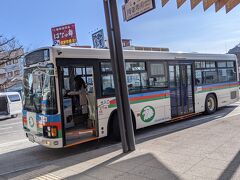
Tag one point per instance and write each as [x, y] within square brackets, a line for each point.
[64, 35]
[134, 8]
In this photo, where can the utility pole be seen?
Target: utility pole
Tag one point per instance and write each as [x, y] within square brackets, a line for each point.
[119, 75]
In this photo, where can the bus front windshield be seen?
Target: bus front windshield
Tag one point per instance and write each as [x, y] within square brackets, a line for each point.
[39, 90]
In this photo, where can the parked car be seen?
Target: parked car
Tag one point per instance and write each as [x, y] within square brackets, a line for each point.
[10, 104]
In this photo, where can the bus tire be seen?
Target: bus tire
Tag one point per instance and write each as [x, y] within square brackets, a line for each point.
[210, 104]
[114, 131]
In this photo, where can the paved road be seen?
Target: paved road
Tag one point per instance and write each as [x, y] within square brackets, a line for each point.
[17, 155]
[11, 130]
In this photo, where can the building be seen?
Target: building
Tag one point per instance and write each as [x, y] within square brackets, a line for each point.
[11, 74]
[127, 45]
[236, 51]
[142, 48]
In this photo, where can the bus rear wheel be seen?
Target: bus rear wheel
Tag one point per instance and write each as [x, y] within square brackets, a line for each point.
[210, 104]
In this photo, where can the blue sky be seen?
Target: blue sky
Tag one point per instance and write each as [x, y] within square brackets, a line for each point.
[30, 21]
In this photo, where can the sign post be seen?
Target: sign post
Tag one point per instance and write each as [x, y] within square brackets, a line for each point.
[121, 89]
[135, 8]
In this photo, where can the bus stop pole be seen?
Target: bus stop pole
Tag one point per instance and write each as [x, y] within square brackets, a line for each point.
[119, 75]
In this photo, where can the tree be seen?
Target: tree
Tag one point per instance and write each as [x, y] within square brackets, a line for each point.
[10, 50]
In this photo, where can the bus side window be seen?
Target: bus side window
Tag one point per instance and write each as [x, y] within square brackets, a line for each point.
[158, 75]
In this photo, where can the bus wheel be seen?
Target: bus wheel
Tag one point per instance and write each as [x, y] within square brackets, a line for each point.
[210, 104]
[115, 131]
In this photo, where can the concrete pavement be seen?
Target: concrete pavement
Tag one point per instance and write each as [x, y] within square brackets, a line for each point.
[206, 147]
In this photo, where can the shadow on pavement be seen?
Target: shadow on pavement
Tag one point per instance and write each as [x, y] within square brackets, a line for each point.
[139, 167]
[231, 168]
[168, 128]
[42, 160]
[121, 166]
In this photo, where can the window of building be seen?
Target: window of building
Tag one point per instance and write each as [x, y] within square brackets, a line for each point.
[15, 61]
[10, 74]
[17, 72]
[2, 65]
[2, 76]
[9, 62]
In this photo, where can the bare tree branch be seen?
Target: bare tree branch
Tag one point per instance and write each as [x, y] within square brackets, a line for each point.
[10, 50]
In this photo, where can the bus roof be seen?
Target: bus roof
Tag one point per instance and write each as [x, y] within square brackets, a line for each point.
[91, 53]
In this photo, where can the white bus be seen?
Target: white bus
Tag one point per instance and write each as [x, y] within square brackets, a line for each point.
[10, 104]
[162, 86]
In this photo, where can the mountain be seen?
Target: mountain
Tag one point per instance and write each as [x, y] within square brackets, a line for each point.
[236, 51]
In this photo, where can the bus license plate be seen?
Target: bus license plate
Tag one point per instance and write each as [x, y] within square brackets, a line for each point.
[31, 138]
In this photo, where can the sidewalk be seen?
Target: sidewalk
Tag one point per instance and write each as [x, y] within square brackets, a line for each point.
[204, 150]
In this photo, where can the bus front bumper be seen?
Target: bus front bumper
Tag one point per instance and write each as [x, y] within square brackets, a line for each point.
[50, 143]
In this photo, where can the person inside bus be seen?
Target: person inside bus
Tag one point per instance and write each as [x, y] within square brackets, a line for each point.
[80, 95]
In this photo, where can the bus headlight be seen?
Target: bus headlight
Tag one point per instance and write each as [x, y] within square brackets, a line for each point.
[50, 131]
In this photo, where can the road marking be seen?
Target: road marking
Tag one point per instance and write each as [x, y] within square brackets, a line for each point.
[3, 125]
[6, 128]
[9, 132]
[13, 142]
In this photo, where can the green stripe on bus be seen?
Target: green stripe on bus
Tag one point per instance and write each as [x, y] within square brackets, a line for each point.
[140, 101]
[216, 89]
[59, 133]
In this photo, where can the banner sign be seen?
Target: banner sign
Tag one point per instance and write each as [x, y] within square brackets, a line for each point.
[231, 4]
[64, 35]
[180, 3]
[164, 2]
[98, 39]
[219, 4]
[208, 3]
[134, 8]
[194, 3]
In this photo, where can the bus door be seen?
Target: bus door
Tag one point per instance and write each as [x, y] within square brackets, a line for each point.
[78, 101]
[181, 89]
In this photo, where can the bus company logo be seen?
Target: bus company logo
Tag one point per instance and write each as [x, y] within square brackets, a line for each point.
[31, 122]
[147, 114]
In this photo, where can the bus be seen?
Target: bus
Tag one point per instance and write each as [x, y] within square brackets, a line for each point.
[162, 86]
